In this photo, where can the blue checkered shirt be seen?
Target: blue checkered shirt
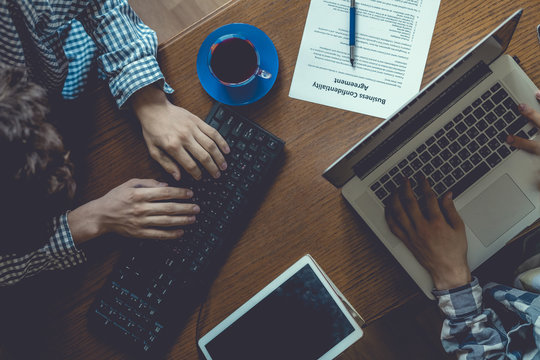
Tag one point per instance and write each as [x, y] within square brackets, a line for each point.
[67, 44]
[472, 330]
[58, 254]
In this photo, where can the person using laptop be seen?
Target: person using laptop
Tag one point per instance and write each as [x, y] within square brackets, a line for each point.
[435, 233]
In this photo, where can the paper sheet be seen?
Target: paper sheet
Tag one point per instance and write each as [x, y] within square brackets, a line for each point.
[392, 44]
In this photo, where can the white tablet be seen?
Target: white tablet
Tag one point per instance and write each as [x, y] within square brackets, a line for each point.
[299, 315]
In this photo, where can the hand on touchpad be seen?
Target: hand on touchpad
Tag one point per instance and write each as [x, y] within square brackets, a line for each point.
[496, 210]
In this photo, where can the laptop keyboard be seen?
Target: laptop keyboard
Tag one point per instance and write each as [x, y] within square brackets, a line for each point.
[463, 150]
[158, 283]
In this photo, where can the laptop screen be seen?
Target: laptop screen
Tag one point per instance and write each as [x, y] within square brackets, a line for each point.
[374, 145]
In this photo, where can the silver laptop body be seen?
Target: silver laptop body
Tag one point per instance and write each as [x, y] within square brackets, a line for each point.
[453, 131]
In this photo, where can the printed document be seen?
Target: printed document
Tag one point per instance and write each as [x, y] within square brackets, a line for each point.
[392, 44]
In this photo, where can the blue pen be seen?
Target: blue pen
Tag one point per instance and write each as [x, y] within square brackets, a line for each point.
[352, 30]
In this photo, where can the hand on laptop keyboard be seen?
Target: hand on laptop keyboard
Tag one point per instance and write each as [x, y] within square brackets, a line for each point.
[433, 231]
[519, 141]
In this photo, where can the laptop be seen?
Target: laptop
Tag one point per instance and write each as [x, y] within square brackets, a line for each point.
[453, 132]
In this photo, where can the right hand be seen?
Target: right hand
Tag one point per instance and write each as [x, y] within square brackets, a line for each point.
[139, 208]
[530, 146]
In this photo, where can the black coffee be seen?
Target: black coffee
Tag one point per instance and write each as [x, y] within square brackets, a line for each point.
[234, 60]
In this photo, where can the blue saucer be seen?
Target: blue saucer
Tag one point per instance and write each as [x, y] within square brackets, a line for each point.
[254, 90]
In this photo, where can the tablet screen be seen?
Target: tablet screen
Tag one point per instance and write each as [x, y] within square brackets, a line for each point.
[298, 320]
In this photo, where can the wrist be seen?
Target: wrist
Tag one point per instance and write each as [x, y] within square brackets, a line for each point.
[452, 279]
[85, 222]
[145, 99]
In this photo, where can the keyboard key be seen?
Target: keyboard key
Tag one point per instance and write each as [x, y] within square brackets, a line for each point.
[402, 164]
[430, 141]
[449, 125]
[237, 131]
[473, 146]
[446, 168]
[477, 102]
[503, 152]
[466, 166]
[472, 132]
[455, 161]
[509, 117]
[475, 159]
[493, 160]
[272, 144]
[411, 156]
[434, 149]
[464, 140]
[454, 147]
[532, 132]
[486, 95]
[446, 154]
[421, 148]
[467, 110]
[452, 135]
[469, 120]
[517, 125]
[428, 169]
[416, 164]
[226, 127]
[488, 105]
[499, 110]
[461, 127]
[490, 118]
[464, 154]
[500, 124]
[495, 87]
[439, 189]
[458, 118]
[484, 151]
[215, 124]
[494, 144]
[482, 139]
[439, 133]
[390, 186]
[407, 171]
[394, 171]
[425, 156]
[479, 113]
[220, 114]
[437, 176]
[481, 125]
[458, 173]
[443, 142]
[499, 96]
[469, 179]
[384, 178]
[436, 162]
[449, 181]
[491, 132]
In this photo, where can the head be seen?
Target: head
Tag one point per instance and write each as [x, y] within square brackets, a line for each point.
[36, 181]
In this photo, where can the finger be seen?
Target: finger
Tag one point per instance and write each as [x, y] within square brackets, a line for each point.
[171, 208]
[401, 217]
[168, 221]
[159, 234]
[530, 113]
[215, 136]
[166, 162]
[210, 146]
[410, 204]
[204, 158]
[450, 212]
[145, 183]
[528, 145]
[538, 95]
[394, 226]
[186, 161]
[163, 193]
[430, 199]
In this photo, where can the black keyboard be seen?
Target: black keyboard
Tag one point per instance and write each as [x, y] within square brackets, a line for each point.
[463, 150]
[156, 285]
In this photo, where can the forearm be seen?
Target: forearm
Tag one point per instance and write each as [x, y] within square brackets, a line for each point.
[84, 222]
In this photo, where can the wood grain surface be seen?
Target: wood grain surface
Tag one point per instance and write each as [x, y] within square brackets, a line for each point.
[301, 213]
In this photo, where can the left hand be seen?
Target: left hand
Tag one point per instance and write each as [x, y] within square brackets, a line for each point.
[176, 136]
[434, 234]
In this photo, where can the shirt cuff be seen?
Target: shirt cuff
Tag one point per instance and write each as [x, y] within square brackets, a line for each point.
[461, 302]
[135, 76]
[62, 244]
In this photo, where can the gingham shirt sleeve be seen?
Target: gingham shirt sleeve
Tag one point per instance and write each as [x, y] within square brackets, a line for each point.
[470, 331]
[58, 254]
[127, 48]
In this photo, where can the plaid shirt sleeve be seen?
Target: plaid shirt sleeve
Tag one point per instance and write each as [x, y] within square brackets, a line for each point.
[127, 48]
[58, 254]
[470, 330]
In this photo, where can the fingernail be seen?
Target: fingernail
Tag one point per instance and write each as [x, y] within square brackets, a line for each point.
[196, 208]
[450, 195]
[217, 174]
[223, 166]
[227, 149]
[189, 193]
[510, 139]
[176, 176]
[192, 219]
[522, 107]
[180, 232]
[538, 94]
[163, 184]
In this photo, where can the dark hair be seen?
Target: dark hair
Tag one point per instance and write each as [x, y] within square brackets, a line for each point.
[36, 180]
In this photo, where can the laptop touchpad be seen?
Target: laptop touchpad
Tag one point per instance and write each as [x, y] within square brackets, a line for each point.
[496, 210]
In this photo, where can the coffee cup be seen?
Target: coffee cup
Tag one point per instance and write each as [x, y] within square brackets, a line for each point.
[234, 61]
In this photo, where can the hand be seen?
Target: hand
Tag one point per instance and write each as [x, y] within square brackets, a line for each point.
[138, 209]
[175, 136]
[434, 234]
[528, 145]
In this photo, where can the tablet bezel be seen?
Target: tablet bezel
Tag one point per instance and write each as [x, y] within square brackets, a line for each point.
[238, 313]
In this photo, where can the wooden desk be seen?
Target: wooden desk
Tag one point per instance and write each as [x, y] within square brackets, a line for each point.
[302, 213]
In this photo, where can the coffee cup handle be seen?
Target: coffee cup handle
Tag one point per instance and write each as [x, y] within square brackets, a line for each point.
[263, 74]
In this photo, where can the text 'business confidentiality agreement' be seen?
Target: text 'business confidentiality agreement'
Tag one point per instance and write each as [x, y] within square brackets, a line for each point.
[392, 44]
